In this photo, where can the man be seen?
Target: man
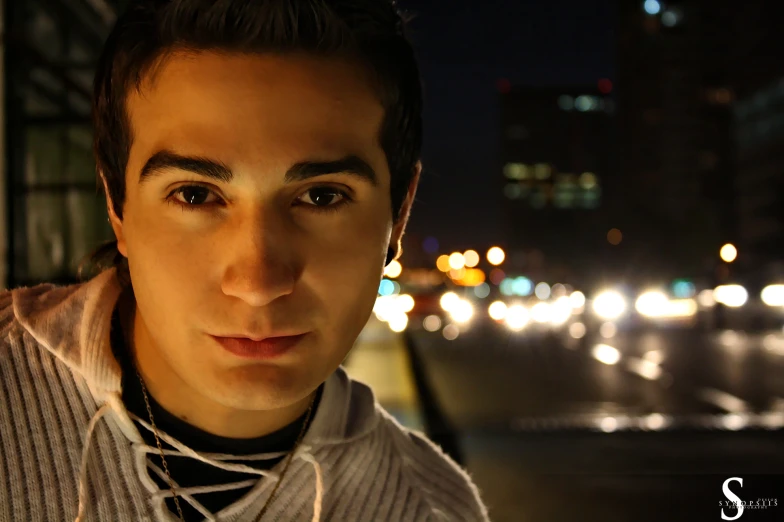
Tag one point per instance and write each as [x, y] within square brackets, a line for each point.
[260, 159]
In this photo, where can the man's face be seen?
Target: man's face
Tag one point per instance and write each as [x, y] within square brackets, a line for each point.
[280, 248]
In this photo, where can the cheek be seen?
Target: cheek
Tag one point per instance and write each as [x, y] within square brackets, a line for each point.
[166, 257]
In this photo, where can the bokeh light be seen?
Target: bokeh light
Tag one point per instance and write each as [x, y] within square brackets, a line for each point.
[497, 311]
[450, 332]
[471, 258]
[386, 287]
[432, 323]
[456, 261]
[728, 253]
[482, 290]
[442, 263]
[393, 269]
[614, 237]
[542, 291]
[495, 256]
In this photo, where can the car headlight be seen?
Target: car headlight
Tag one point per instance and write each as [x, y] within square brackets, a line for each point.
[609, 305]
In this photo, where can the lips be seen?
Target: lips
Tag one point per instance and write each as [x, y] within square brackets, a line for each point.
[267, 348]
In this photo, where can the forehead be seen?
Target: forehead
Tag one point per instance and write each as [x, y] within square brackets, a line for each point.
[255, 108]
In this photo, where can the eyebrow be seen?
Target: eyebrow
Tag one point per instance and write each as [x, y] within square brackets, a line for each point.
[209, 168]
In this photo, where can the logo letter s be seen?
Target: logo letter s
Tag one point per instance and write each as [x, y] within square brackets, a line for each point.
[732, 498]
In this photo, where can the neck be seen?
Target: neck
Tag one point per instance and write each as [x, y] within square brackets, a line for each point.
[189, 403]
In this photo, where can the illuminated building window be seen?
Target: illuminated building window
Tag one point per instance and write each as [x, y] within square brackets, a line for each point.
[566, 102]
[542, 171]
[586, 103]
[671, 17]
[588, 180]
[516, 171]
[591, 197]
[512, 191]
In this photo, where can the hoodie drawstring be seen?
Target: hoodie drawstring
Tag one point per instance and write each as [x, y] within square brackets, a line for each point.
[318, 502]
[116, 402]
[103, 410]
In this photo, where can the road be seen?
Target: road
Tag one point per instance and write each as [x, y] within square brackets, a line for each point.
[550, 432]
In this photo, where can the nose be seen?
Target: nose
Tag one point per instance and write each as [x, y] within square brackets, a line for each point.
[261, 265]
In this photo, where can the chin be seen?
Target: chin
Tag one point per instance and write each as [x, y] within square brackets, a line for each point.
[260, 387]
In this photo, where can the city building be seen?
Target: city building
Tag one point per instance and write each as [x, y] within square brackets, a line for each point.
[558, 175]
[759, 121]
[675, 142]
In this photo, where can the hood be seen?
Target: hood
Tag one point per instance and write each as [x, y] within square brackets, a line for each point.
[74, 322]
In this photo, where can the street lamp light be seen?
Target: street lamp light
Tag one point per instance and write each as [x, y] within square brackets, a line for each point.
[728, 253]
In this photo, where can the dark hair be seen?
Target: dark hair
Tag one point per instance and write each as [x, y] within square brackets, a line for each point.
[369, 32]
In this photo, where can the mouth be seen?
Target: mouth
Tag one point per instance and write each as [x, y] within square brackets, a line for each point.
[267, 348]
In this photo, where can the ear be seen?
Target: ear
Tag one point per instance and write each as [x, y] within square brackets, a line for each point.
[116, 222]
[399, 227]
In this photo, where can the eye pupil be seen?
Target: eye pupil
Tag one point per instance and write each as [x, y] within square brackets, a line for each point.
[195, 195]
[322, 196]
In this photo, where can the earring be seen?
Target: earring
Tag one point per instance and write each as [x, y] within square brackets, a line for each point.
[390, 255]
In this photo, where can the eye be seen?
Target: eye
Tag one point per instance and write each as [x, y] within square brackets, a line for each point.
[193, 196]
[324, 198]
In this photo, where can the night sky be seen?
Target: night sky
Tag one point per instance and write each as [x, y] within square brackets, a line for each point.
[464, 48]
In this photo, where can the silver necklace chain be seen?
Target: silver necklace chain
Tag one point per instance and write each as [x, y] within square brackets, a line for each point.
[166, 467]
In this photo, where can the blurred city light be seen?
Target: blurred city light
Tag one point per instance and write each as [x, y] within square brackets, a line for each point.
[644, 368]
[670, 18]
[523, 286]
[728, 253]
[393, 269]
[471, 258]
[450, 332]
[558, 290]
[683, 289]
[456, 261]
[656, 421]
[448, 300]
[706, 299]
[386, 287]
[587, 180]
[497, 311]
[652, 7]
[398, 322]
[542, 291]
[517, 317]
[773, 295]
[432, 323]
[461, 311]
[614, 237]
[405, 302]
[541, 313]
[507, 287]
[561, 311]
[497, 276]
[457, 275]
[470, 277]
[654, 356]
[609, 305]
[482, 290]
[652, 303]
[577, 299]
[495, 256]
[733, 296]
[443, 263]
[606, 354]
[608, 424]
[608, 330]
[577, 330]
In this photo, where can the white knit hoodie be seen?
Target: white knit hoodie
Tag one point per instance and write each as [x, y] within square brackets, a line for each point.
[69, 448]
